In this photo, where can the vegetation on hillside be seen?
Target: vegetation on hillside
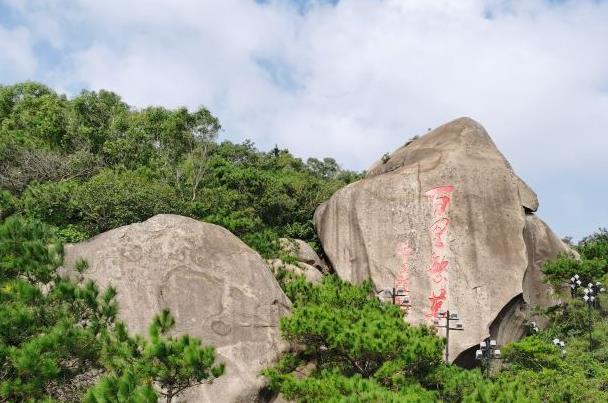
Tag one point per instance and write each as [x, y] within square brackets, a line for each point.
[93, 163]
[71, 168]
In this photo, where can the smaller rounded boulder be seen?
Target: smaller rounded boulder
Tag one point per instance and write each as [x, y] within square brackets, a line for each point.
[218, 289]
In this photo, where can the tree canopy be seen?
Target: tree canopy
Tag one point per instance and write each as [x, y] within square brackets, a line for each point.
[92, 163]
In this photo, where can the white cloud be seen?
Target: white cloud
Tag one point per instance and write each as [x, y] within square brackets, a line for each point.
[356, 80]
[17, 59]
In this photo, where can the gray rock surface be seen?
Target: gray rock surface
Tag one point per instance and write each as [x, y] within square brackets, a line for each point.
[311, 273]
[445, 218]
[302, 251]
[528, 197]
[541, 245]
[218, 289]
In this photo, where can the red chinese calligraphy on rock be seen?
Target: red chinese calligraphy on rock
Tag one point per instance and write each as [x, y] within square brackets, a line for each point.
[440, 199]
[402, 281]
[438, 268]
[439, 230]
[436, 302]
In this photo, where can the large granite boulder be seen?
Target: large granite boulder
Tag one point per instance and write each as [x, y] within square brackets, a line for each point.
[446, 219]
[218, 289]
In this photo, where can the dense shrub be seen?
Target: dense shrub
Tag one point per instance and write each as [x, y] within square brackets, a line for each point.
[114, 197]
[591, 266]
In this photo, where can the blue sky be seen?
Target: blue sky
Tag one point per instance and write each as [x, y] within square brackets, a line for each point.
[350, 79]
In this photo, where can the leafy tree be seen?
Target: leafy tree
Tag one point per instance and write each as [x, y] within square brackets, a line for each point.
[356, 342]
[92, 163]
[345, 327]
[114, 197]
[592, 265]
[124, 388]
[51, 202]
[93, 117]
[574, 374]
[32, 111]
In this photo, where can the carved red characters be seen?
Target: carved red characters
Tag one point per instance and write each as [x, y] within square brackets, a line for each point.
[402, 281]
[440, 199]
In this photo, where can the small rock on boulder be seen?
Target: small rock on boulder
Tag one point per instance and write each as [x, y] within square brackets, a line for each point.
[303, 252]
[302, 269]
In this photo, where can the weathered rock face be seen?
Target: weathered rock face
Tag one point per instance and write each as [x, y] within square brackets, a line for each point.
[218, 289]
[446, 219]
[302, 251]
[309, 272]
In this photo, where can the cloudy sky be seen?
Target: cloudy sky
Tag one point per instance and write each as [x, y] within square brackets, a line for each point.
[350, 79]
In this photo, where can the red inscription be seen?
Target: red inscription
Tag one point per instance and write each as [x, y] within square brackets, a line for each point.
[440, 199]
[402, 281]
[436, 302]
[439, 229]
[438, 267]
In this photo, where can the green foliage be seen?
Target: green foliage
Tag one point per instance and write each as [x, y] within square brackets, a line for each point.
[576, 376]
[355, 348]
[51, 202]
[592, 265]
[7, 204]
[72, 233]
[32, 110]
[114, 198]
[173, 364]
[57, 337]
[108, 200]
[361, 346]
[559, 270]
[49, 328]
[330, 386]
[28, 249]
[362, 339]
[124, 388]
[534, 353]
[93, 163]
[579, 374]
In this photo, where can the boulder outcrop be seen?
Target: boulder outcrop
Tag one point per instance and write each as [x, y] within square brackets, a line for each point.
[218, 289]
[310, 273]
[302, 251]
[446, 219]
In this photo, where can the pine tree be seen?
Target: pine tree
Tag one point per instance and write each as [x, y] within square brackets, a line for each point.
[58, 339]
[169, 365]
[49, 328]
[352, 347]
